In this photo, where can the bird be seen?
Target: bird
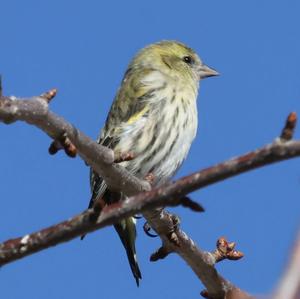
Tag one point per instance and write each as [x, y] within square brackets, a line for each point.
[154, 118]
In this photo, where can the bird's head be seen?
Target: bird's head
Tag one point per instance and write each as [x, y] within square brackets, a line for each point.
[175, 59]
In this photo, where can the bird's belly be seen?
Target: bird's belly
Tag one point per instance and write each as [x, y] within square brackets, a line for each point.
[160, 144]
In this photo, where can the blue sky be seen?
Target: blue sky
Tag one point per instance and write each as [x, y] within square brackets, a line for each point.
[83, 49]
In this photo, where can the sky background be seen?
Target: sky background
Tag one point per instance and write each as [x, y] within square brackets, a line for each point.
[83, 49]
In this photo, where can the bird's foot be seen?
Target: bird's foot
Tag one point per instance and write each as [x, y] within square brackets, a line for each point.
[147, 229]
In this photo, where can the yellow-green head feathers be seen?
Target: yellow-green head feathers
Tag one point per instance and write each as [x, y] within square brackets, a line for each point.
[174, 59]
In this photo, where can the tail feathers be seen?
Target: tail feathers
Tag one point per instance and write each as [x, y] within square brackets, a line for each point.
[134, 266]
[127, 233]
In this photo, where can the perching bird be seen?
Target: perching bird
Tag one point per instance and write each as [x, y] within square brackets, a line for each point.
[153, 117]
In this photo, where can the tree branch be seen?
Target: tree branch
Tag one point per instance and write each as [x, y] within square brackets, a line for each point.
[289, 286]
[35, 111]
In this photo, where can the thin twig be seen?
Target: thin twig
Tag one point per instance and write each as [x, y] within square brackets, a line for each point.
[225, 250]
[289, 128]
[65, 143]
[49, 95]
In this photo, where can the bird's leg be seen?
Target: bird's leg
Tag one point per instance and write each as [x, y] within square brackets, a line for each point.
[147, 228]
[172, 236]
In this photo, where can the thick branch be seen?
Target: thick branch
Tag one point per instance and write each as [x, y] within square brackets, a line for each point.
[35, 111]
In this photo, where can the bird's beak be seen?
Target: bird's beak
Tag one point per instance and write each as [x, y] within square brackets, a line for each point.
[205, 72]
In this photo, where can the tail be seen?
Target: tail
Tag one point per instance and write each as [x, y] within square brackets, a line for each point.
[127, 233]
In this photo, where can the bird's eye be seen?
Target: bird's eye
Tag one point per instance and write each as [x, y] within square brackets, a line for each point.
[188, 59]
